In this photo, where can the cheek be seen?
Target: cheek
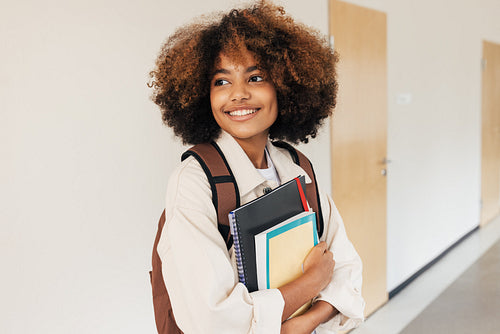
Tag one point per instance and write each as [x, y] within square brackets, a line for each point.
[213, 104]
[216, 100]
[273, 101]
[271, 94]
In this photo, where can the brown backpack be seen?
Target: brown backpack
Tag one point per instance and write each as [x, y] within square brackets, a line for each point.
[225, 198]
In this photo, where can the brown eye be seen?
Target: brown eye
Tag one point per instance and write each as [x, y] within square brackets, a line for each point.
[256, 78]
[220, 82]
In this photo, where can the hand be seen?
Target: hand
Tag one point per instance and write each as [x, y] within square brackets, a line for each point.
[320, 263]
[318, 271]
[296, 325]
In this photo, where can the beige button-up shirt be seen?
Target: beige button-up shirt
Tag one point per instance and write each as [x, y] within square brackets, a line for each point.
[201, 275]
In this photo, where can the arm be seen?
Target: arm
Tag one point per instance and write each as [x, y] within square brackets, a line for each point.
[319, 313]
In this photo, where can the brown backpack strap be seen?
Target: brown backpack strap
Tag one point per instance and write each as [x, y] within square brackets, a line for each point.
[312, 192]
[225, 193]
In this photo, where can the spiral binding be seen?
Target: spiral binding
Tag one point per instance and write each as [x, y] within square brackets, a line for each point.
[238, 251]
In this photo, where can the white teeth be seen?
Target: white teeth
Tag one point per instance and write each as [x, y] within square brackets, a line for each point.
[242, 112]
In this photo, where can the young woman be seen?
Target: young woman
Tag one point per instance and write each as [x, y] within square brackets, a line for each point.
[243, 79]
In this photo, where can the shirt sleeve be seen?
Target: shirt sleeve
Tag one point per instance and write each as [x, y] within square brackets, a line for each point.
[344, 291]
[199, 273]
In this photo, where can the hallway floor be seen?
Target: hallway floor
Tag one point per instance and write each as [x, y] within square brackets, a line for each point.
[459, 294]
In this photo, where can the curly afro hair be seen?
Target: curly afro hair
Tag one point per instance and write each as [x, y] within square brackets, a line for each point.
[297, 59]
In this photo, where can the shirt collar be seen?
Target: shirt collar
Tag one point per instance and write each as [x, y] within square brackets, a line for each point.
[286, 168]
[245, 174]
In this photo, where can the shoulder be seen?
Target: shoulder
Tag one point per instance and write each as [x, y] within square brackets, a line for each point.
[293, 153]
[285, 148]
[188, 187]
[282, 151]
[188, 208]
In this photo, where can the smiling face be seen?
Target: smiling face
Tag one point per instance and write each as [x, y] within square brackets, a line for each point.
[243, 101]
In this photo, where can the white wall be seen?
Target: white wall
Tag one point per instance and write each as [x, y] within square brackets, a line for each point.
[85, 159]
[434, 53]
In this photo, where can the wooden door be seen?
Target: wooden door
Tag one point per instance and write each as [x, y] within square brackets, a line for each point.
[490, 161]
[359, 139]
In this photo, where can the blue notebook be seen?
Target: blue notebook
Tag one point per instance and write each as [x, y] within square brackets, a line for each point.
[281, 250]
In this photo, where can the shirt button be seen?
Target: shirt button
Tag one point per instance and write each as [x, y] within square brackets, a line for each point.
[267, 190]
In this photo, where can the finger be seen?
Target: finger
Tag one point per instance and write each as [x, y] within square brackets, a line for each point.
[322, 246]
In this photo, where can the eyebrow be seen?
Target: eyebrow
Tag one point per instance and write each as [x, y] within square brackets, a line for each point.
[224, 71]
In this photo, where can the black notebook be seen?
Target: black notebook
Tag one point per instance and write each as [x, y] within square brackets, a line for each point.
[258, 215]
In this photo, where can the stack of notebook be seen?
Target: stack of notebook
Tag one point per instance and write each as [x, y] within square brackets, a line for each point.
[272, 236]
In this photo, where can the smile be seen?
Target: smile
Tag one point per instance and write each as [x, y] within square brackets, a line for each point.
[242, 112]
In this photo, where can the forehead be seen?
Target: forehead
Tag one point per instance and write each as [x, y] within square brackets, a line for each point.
[243, 59]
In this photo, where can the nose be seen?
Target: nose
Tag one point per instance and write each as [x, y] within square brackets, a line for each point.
[239, 92]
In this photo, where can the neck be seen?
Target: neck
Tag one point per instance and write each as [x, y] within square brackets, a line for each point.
[255, 150]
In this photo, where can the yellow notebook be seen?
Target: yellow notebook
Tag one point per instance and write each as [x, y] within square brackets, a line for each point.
[281, 250]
